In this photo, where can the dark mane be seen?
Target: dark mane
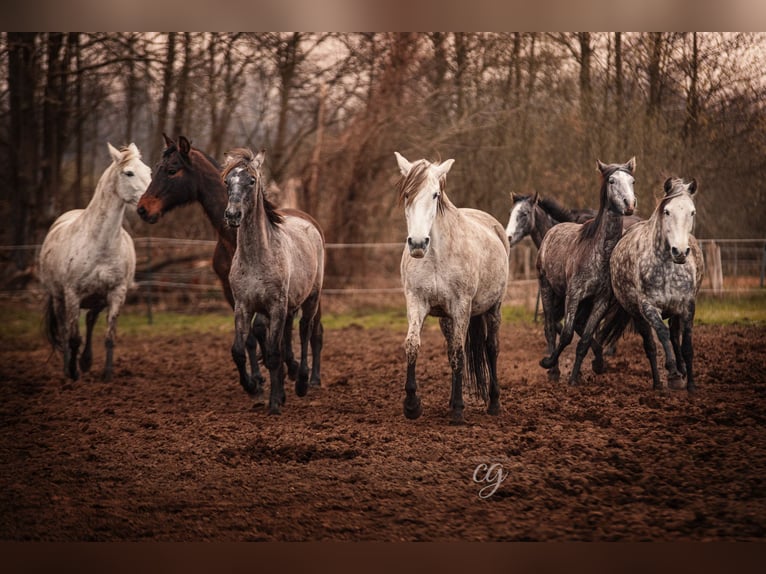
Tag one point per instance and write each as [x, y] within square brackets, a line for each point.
[590, 227]
[243, 157]
[555, 209]
[409, 185]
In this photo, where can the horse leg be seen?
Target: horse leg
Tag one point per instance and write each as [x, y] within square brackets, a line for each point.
[317, 341]
[445, 323]
[287, 346]
[456, 338]
[256, 337]
[308, 317]
[687, 349]
[597, 364]
[86, 359]
[587, 341]
[675, 341]
[72, 340]
[114, 302]
[273, 359]
[567, 332]
[653, 315]
[493, 348]
[551, 324]
[416, 312]
[650, 348]
[242, 328]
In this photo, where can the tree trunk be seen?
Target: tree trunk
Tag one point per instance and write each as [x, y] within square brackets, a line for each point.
[167, 89]
[182, 89]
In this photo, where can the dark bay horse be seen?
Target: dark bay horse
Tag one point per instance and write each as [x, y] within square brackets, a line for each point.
[573, 268]
[454, 266]
[656, 271]
[277, 271]
[534, 216]
[186, 175]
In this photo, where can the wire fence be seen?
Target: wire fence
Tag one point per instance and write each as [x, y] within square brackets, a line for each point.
[177, 273]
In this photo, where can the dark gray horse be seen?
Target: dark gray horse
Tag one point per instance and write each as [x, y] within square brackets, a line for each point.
[573, 268]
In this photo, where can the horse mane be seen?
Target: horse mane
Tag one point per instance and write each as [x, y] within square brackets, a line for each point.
[243, 157]
[590, 227]
[128, 155]
[555, 209]
[409, 185]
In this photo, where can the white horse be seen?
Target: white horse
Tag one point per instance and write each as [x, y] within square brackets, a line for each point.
[88, 260]
[455, 267]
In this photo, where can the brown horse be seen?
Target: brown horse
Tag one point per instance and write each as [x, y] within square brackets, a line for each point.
[186, 175]
[573, 268]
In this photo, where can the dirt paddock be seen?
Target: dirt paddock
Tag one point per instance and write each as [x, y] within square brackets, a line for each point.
[173, 449]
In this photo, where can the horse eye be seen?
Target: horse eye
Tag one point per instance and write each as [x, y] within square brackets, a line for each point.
[171, 171]
[611, 180]
[667, 213]
[694, 213]
[129, 173]
[436, 195]
[252, 181]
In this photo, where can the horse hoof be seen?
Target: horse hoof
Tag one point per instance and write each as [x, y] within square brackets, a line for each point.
[413, 409]
[315, 383]
[301, 387]
[598, 366]
[494, 408]
[107, 376]
[457, 419]
[292, 369]
[547, 362]
[85, 363]
[676, 382]
[554, 375]
[275, 409]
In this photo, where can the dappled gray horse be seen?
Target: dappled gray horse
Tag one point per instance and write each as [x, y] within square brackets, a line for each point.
[454, 266]
[656, 271]
[88, 260]
[573, 269]
[277, 270]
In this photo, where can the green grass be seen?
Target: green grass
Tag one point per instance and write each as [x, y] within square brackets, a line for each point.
[22, 325]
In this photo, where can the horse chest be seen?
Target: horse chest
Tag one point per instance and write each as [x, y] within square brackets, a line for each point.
[669, 287]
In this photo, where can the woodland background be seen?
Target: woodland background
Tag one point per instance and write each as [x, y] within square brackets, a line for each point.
[520, 112]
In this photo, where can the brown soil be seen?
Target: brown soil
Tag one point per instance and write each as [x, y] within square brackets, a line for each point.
[173, 449]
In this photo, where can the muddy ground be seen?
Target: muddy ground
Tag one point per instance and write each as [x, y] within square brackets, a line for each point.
[173, 449]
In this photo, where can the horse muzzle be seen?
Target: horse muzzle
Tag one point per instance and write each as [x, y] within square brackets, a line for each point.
[419, 248]
[679, 256]
[144, 214]
[232, 218]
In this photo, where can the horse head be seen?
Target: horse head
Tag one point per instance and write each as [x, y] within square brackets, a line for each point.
[241, 174]
[522, 218]
[421, 189]
[676, 212]
[173, 182]
[133, 175]
[617, 186]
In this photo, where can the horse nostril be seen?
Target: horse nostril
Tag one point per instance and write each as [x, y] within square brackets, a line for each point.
[674, 251]
[141, 211]
[427, 241]
[688, 249]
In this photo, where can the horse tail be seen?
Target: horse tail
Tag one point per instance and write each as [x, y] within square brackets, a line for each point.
[476, 360]
[613, 325]
[51, 325]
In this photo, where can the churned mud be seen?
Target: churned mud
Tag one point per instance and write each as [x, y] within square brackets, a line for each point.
[173, 449]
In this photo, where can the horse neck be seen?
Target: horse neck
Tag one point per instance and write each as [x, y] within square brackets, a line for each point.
[212, 195]
[443, 226]
[543, 225]
[255, 234]
[609, 231]
[104, 213]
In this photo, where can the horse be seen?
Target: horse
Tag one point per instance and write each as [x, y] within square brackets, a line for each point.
[277, 270]
[656, 271]
[454, 266]
[185, 175]
[88, 260]
[573, 269]
[534, 216]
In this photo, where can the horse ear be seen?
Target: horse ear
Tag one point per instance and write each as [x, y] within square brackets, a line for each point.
[535, 197]
[631, 165]
[404, 165]
[184, 145]
[692, 187]
[601, 166]
[258, 159]
[514, 197]
[134, 148]
[668, 185]
[168, 142]
[114, 152]
[443, 168]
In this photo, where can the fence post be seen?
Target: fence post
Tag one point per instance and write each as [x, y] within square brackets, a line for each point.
[713, 264]
[763, 264]
[149, 317]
